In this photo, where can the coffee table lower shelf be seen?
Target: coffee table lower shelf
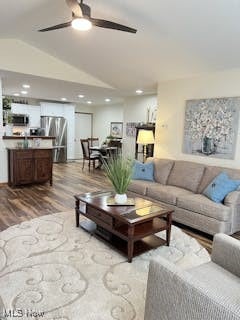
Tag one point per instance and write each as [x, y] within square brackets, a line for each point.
[140, 246]
[131, 230]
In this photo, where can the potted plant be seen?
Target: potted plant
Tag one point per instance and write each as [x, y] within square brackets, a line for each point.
[109, 139]
[119, 172]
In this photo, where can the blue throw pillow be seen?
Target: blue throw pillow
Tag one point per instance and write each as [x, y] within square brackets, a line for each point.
[220, 187]
[143, 171]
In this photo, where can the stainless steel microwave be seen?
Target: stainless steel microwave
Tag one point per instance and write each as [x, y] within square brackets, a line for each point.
[20, 119]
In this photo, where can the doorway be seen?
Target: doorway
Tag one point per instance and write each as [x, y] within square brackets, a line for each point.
[83, 130]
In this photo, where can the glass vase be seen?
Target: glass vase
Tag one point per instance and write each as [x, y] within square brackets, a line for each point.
[207, 145]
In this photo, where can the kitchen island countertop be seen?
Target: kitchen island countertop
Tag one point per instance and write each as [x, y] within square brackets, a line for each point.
[28, 137]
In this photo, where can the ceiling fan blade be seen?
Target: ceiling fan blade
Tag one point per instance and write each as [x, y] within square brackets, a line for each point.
[111, 25]
[75, 7]
[86, 10]
[58, 26]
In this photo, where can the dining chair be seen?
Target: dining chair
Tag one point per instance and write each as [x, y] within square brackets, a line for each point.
[93, 142]
[90, 157]
[103, 153]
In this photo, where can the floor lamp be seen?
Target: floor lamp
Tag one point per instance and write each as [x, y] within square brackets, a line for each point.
[145, 137]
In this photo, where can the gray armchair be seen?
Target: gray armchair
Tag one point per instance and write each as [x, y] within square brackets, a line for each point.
[210, 291]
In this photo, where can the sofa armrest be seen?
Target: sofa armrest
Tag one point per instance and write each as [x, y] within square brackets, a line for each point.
[233, 198]
[175, 294]
[226, 253]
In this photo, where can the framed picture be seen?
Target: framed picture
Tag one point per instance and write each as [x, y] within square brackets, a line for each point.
[211, 127]
[131, 129]
[116, 129]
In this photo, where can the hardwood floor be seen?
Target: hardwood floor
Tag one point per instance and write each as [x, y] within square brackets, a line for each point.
[24, 203]
[27, 202]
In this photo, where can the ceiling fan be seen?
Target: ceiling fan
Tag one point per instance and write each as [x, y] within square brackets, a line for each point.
[82, 20]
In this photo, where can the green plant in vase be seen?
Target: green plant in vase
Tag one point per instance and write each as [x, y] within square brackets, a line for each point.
[119, 172]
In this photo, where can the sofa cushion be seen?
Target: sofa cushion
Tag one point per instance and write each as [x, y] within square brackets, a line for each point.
[162, 169]
[140, 186]
[166, 194]
[143, 171]
[211, 172]
[221, 280]
[201, 204]
[186, 175]
[220, 186]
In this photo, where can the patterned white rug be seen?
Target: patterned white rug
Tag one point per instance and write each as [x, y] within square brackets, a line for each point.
[51, 270]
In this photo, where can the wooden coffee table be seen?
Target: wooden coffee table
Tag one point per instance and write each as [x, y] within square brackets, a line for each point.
[129, 228]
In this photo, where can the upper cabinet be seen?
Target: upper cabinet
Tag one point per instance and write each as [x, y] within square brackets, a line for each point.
[52, 109]
[45, 109]
[34, 116]
[32, 111]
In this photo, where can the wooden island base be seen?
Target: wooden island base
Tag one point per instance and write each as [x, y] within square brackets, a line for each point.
[27, 166]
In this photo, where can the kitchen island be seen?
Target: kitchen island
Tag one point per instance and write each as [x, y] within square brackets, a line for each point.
[23, 166]
[29, 165]
[13, 141]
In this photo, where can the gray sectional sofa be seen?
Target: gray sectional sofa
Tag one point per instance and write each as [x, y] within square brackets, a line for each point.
[179, 185]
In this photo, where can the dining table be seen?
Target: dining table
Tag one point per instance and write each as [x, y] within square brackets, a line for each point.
[105, 150]
[105, 153]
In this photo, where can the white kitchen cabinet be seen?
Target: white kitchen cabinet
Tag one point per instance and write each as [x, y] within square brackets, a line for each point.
[32, 111]
[19, 108]
[52, 109]
[34, 116]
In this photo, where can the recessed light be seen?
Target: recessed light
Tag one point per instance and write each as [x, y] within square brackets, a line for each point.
[16, 94]
[89, 102]
[64, 99]
[107, 100]
[80, 96]
[26, 86]
[139, 91]
[24, 92]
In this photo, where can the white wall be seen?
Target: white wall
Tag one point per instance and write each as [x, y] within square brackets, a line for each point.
[84, 108]
[172, 96]
[102, 117]
[135, 110]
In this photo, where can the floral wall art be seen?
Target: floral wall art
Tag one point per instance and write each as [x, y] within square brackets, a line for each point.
[211, 127]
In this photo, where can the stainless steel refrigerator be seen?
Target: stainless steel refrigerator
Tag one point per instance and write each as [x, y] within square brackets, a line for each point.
[57, 127]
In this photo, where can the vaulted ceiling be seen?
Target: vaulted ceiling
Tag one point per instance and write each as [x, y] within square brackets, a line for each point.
[174, 39]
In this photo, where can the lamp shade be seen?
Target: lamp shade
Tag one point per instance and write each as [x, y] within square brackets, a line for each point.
[145, 137]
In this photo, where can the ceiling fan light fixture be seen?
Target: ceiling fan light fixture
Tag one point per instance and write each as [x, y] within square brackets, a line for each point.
[81, 24]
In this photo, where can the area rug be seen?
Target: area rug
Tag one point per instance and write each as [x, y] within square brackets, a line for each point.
[51, 270]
